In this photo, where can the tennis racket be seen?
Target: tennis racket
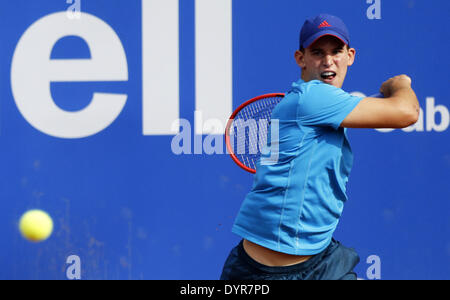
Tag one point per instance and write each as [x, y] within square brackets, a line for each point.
[247, 128]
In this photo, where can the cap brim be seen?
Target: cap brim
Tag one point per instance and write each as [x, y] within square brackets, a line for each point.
[318, 35]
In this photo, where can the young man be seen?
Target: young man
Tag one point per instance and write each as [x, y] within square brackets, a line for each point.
[288, 219]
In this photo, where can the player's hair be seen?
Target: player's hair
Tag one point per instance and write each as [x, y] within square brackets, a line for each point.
[303, 49]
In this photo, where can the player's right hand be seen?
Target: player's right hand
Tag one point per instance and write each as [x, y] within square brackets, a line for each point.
[393, 84]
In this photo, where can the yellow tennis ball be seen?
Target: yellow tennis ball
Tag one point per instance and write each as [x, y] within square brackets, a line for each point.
[36, 225]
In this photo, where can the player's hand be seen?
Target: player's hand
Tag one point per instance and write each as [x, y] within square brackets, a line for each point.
[393, 84]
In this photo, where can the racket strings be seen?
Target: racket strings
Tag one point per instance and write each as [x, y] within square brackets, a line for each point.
[251, 126]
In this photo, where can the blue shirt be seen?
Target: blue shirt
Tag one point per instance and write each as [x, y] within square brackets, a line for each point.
[295, 203]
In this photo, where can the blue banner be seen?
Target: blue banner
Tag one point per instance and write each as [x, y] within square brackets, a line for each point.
[112, 116]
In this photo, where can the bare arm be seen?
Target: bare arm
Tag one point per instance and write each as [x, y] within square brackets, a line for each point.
[398, 109]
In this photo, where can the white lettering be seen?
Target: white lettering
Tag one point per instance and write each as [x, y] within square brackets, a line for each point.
[160, 66]
[270, 154]
[198, 144]
[213, 144]
[74, 11]
[213, 69]
[374, 271]
[246, 289]
[431, 114]
[374, 11]
[32, 71]
[432, 111]
[74, 269]
[244, 129]
[200, 290]
[181, 143]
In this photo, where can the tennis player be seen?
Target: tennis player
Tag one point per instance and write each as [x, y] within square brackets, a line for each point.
[288, 218]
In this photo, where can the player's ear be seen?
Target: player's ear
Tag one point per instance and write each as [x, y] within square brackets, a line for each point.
[351, 52]
[300, 58]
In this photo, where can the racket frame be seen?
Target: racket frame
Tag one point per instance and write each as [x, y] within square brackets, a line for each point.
[230, 123]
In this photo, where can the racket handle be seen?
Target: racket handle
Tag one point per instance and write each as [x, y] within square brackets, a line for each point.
[377, 95]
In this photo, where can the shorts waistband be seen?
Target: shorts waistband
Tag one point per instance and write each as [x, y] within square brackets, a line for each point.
[303, 266]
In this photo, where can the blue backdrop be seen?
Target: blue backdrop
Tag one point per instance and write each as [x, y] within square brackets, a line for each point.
[130, 208]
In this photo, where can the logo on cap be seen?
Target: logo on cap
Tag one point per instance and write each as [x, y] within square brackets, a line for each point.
[324, 24]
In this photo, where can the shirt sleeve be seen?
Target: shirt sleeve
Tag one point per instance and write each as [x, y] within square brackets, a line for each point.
[325, 105]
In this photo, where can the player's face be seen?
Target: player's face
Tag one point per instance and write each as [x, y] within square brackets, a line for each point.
[327, 60]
